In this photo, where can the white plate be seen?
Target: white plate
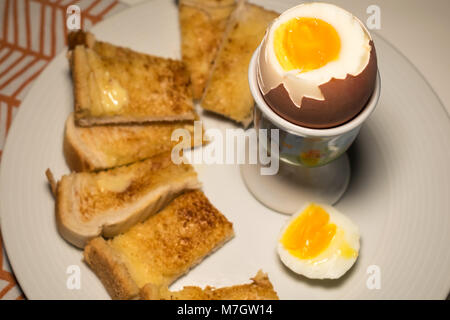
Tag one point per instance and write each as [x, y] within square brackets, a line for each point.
[398, 194]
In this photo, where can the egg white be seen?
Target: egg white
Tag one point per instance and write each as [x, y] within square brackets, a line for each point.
[329, 264]
[353, 57]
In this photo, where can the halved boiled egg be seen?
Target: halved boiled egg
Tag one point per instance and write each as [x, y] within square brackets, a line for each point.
[319, 242]
[317, 65]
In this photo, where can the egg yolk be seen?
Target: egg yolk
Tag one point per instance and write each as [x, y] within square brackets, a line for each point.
[306, 44]
[309, 234]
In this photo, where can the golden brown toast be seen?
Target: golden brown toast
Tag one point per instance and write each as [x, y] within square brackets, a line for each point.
[202, 24]
[259, 289]
[118, 85]
[161, 249]
[109, 146]
[227, 92]
[90, 204]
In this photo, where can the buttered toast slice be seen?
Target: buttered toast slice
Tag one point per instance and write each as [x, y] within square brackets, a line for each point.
[90, 204]
[118, 85]
[161, 249]
[102, 147]
[227, 92]
[259, 289]
[202, 24]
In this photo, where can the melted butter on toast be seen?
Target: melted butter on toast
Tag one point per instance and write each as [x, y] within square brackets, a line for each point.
[112, 96]
[116, 183]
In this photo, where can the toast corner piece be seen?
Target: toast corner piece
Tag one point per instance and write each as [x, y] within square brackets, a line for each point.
[247, 121]
[112, 272]
[259, 289]
[261, 280]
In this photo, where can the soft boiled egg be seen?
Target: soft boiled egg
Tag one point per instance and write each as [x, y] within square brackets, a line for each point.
[319, 242]
[317, 65]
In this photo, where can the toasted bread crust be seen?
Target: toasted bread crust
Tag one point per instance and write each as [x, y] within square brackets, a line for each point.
[111, 270]
[164, 247]
[110, 202]
[228, 92]
[80, 38]
[202, 24]
[259, 289]
[80, 75]
[76, 159]
[51, 181]
[157, 89]
[104, 147]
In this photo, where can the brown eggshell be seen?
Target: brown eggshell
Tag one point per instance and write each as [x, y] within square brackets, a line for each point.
[344, 99]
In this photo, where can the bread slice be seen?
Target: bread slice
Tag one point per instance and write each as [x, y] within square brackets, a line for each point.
[259, 289]
[227, 92]
[117, 85]
[161, 249]
[90, 204]
[109, 146]
[202, 24]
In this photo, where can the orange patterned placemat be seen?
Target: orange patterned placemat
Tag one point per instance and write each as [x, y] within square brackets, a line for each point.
[32, 32]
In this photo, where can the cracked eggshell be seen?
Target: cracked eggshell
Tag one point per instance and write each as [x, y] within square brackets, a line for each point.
[322, 98]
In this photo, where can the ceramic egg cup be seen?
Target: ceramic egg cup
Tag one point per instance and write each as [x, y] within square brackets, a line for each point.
[313, 164]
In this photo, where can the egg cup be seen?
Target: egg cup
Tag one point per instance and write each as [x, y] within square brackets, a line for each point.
[313, 164]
